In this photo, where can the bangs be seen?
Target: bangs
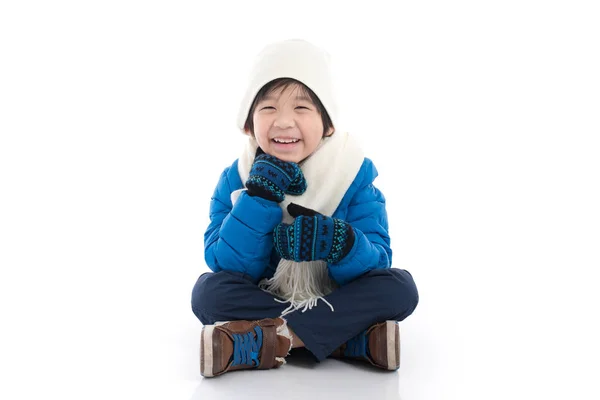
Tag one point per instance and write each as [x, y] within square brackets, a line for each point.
[301, 89]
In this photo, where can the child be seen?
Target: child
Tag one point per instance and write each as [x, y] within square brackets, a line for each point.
[297, 219]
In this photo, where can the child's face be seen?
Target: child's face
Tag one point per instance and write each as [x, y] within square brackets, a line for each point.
[287, 125]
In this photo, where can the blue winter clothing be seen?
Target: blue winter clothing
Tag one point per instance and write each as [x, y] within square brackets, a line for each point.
[239, 237]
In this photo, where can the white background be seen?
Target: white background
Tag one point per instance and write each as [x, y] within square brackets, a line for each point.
[117, 117]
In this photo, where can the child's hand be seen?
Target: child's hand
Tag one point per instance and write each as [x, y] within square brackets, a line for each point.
[271, 178]
[313, 236]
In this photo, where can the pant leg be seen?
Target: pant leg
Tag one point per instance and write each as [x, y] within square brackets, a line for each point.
[377, 296]
[230, 296]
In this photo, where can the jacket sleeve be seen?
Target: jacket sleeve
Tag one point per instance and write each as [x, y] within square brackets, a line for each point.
[239, 236]
[368, 217]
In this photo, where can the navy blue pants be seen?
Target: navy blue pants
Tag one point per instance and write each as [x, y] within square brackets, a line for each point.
[377, 296]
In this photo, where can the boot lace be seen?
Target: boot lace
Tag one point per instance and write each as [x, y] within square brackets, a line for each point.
[246, 347]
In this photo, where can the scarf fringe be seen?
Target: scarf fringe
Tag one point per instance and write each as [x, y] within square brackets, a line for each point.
[300, 284]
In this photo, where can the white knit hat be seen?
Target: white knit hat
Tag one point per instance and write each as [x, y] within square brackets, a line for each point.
[297, 59]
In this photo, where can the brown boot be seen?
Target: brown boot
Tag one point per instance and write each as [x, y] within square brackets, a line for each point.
[379, 345]
[235, 345]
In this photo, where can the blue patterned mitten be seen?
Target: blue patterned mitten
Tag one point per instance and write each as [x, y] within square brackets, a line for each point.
[271, 178]
[313, 236]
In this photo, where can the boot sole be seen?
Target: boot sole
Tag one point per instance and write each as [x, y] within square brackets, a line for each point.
[206, 353]
[393, 345]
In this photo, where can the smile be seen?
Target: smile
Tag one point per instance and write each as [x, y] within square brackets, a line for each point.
[286, 141]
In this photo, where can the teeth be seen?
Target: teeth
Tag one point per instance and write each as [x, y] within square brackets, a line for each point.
[285, 140]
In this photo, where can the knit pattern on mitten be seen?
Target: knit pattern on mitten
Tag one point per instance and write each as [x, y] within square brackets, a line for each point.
[271, 178]
[312, 238]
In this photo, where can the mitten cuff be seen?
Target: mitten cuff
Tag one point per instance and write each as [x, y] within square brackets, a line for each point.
[343, 240]
[282, 238]
[259, 186]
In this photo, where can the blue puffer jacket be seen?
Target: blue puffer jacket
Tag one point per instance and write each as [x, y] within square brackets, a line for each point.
[240, 237]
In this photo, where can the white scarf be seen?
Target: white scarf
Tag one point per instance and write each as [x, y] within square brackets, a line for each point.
[329, 172]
